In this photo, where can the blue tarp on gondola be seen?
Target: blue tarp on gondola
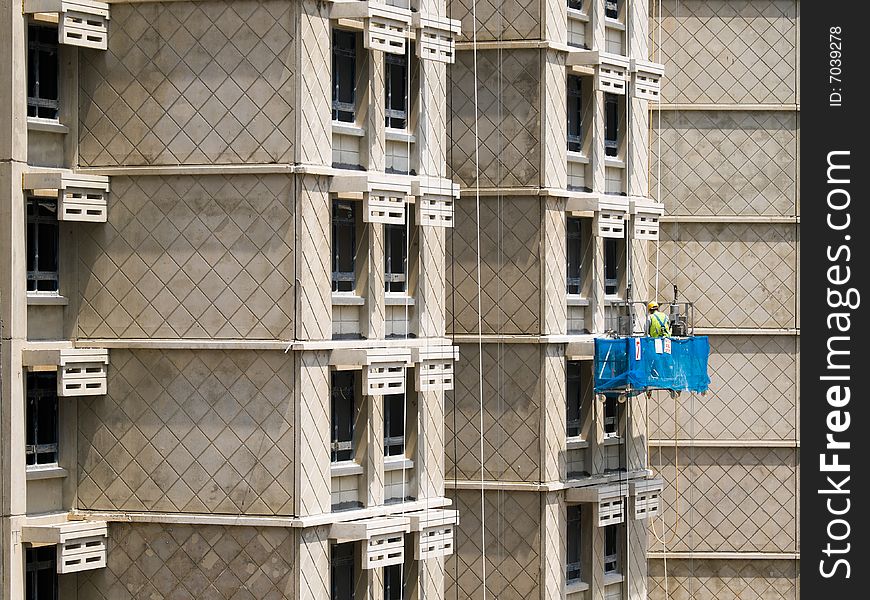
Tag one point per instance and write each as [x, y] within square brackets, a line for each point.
[645, 363]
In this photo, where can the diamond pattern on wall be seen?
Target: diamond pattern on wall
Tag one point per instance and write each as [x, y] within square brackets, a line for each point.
[508, 114]
[432, 291]
[190, 83]
[555, 264]
[314, 563]
[315, 83]
[187, 561]
[315, 480]
[315, 268]
[510, 265]
[194, 257]
[512, 547]
[753, 394]
[733, 579]
[726, 162]
[720, 51]
[738, 275]
[555, 118]
[432, 119]
[498, 20]
[190, 431]
[431, 444]
[511, 414]
[730, 499]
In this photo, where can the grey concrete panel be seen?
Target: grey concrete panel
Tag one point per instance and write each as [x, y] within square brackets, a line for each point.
[719, 579]
[496, 20]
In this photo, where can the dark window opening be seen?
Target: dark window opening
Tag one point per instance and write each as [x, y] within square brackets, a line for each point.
[613, 258]
[343, 76]
[573, 570]
[42, 433]
[396, 90]
[611, 9]
[394, 583]
[42, 72]
[611, 549]
[41, 573]
[343, 246]
[611, 125]
[575, 113]
[575, 255]
[575, 4]
[341, 571]
[578, 387]
[42, 245]
[611, 416]
[394, 425]
[343, 411]
[396, 258]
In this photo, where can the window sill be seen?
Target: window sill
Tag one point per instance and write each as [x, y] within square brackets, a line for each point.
[575, 300]
[612, 578]
[612, 441]
[398, 299]
[616, 163]
[397, 463]
[49, 125]
[612, 299]
[347, 129]
[577, 15]
[578, 157]
[43, 299]
[345, 468]
[576, 443]
[38, 472]
[575, 587]
[347, 299]
[610, 23]
[399, 135]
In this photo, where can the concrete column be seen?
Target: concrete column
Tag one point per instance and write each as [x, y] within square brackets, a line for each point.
[373, 450]
[595, 29]
[635, 560]
[554, 119]
[314, 92]
[554, 310]
[595, 312]
[431, 146]
[374, 584]
[596, 161]
[312, 564]
[638, 148]
[553, 431]
[13, 82]
[313, 319]
[593, 552]
[431, 294]
[312, 419]
[553, 545]
[373, 313]
[554, 21]
[596, 454]
[429, 579]
[429, 453]
[374, 99]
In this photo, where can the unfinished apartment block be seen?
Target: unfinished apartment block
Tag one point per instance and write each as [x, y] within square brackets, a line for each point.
[554, 492]
[223, 322]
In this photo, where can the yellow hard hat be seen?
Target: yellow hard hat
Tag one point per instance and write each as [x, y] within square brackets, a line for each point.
[653, 305]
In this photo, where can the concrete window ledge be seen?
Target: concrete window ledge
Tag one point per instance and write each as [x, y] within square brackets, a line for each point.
[45, 472]
[612, 578]
[577, 157]
[348, 129]
[577, 443]
[613, 441]
[577, 15]
[616, 163]
[575, 587]
[36, 124]
[46, 300]
[613, 24]
[347, 300]
[345, 468]
[574, 300]
[398, 299]
[397, 463]
[399, 135]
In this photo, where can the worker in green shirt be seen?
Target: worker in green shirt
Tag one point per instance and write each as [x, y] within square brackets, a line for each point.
[659, 325]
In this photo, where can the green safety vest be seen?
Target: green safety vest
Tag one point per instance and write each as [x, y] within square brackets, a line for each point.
[659, 325]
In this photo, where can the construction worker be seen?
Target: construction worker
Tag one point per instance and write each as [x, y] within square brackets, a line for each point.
[659, 325]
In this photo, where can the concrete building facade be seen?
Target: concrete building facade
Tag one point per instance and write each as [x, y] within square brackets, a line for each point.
[223, 328]
[718, 148]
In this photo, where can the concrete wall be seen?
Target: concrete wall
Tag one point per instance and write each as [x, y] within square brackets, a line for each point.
[190, 256]
[191, 83]
[190, 432]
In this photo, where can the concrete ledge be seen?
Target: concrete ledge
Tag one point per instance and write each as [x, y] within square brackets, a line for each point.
[550, 486]
[730, 219]
[727, 443]
[45, 472]
[47, 125]
[717, 107]
[725, 555]
[46, 300]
